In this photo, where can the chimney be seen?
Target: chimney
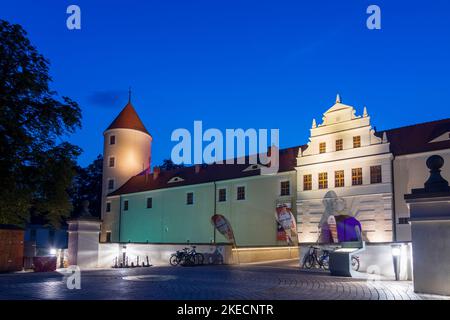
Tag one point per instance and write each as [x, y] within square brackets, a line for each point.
[197, 168]
[156, 171]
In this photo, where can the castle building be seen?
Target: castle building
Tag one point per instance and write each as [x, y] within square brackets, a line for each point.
[369, 170]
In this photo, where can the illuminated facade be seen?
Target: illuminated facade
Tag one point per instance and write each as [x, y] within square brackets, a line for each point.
[369, 170]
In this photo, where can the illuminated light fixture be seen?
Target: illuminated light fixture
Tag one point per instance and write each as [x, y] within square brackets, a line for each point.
[396, 257]
[53, 251]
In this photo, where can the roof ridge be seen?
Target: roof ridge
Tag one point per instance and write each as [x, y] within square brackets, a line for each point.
[416, 124]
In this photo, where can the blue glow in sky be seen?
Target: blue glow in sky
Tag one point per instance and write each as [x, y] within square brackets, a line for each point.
[242, 64]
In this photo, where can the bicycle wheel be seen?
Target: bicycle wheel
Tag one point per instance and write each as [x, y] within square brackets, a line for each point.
[174, 260]
[187, 260]
[326, 262]
[309, 262]
[355, 264]
[199, 258]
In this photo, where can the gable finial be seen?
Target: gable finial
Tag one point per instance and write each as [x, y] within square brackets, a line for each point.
[338, 98]
[129, 94]
[365, 114]
[314, 123]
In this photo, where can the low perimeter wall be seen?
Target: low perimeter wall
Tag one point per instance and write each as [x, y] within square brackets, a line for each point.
[376, 259]
[159, 254]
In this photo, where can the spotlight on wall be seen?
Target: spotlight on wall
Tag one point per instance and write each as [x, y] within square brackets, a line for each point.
[396, 256]
[53, 251]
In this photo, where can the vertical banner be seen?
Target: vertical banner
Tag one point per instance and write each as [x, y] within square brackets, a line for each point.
[285, 219]
[331, 221]
[224, 227]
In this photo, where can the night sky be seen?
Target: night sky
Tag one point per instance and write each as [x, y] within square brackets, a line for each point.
[241, 64]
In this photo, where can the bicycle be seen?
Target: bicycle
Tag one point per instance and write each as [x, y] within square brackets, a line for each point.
[312, 258]
[186, 257]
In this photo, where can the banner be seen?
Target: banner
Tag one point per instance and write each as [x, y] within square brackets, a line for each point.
[224, 227]
[333, 228]
[286, 220]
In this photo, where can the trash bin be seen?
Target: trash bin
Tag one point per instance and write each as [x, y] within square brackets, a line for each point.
[44, 264]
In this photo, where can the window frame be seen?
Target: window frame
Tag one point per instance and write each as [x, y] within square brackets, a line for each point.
[147, 202]
[113, 158]
[324, 145]
[341, 144]
[112, 139]
[307, 183]
[218, 194]
[111, 186]
[288, 181]
[357, 179]
[237, 193]
[126, 205]
[322, 182]
[356, 141]
[340, 179]
[372, 180]
[189, 198]
[108, 207]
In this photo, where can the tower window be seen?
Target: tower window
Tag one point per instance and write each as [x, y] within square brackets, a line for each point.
[322, 147]
[112, 140]
[222, 195]
[112, 162]
[375, 174]
[307, 182]
[125, 205]
[356, 141]
[285, 188]
[339, 145]
[149, 203]
[190, 198]
[240, 193]
[111, 184]
[108, 207]
[323, 180]
[339, 178]
[357, 176]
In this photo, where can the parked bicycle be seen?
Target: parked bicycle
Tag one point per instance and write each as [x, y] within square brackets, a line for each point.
[312, 258]
[186, 257]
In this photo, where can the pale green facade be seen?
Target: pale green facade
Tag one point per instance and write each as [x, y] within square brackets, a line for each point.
[172, 220]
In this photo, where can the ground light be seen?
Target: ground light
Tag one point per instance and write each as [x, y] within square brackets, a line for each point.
[396, 257]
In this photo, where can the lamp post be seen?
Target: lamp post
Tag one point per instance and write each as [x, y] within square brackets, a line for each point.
[396, 253]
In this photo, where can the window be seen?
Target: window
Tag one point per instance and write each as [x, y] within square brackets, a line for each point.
[112, 140]
[307, 182]
[240, 194]
[357, 176]
[149, 203]
[357, 142]
[323, 180]
[125, 205]
[111, 184]
[322, 147]
[339, 178]
[112, 161]
[375, 174]
[403, 220]
[222, 195]
[285, 189]
[339, 144]
[108, 207]
[108, 236]
[190, 198]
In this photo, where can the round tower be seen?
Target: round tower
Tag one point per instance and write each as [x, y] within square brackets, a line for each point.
[126, 151]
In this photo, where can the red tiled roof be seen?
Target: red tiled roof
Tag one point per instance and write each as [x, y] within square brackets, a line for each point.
[207, 173]
[416, 138]
[128, 119]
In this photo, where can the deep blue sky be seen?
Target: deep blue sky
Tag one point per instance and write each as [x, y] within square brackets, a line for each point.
[242, 64]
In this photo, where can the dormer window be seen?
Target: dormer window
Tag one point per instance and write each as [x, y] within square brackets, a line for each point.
[175, 179]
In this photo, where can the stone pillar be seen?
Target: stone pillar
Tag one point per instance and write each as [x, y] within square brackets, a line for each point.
[430, 231]
[84, 242]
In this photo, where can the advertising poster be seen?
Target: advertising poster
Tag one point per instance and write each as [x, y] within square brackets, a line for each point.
[224, 227]
[286, 220]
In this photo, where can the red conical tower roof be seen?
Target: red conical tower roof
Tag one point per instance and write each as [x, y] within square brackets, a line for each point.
[128, 119]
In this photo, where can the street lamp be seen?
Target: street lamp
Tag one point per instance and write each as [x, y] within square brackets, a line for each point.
[396, 253]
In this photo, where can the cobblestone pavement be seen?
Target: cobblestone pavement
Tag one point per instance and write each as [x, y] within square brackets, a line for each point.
[262, 281]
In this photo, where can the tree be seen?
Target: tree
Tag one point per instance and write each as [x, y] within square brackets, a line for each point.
[169, 165]
[35, 171]
[87, 185]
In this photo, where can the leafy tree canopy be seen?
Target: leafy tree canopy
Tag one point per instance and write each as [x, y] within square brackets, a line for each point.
[36, 165]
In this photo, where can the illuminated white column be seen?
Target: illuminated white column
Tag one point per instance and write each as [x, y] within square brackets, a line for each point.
[83, 242]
